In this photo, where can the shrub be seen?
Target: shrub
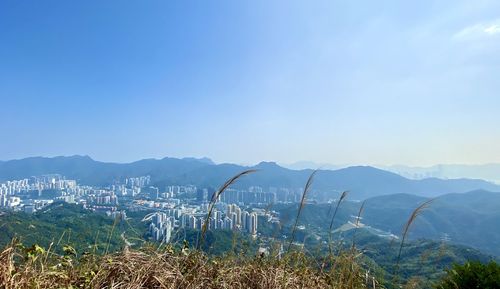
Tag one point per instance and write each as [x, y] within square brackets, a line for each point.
[472, 275]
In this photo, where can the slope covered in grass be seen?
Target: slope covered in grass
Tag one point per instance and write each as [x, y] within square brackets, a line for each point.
[169, 268]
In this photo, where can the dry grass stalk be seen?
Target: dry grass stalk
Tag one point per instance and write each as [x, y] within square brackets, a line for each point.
[361, 209]
[342, 198]
[406, 229]
[214, 199]
[301, 205]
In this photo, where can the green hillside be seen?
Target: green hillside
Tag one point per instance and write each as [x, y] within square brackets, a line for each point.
[469, 219]
[65, 224]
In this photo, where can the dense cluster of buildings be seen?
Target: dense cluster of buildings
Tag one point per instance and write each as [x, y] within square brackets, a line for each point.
[131, 186]
[161, 227]
[38, 183]
[102, 198]
[32, 194]
[232, 218]
[141, 182]
[35, 192]
[8, 201]
[256, 195]
[223, 217]
[176, 206]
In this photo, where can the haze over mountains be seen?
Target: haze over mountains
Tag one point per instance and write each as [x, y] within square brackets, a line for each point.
[488, 172]
[362, 181]
[471, 218]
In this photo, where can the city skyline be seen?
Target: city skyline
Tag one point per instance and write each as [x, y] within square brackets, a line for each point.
[173, 209]
[329, 82]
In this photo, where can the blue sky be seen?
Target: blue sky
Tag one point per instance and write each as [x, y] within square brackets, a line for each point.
[345, 82]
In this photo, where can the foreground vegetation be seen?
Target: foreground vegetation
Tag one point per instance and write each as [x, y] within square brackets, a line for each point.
[169, 267]
[472, 275]
[181, 267]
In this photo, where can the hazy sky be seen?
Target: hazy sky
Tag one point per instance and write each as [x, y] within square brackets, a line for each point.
[350, 82]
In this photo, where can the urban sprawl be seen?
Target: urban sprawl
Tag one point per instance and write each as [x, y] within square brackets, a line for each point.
[172, 207]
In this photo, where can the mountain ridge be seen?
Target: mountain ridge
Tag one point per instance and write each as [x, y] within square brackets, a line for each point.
[362, 181]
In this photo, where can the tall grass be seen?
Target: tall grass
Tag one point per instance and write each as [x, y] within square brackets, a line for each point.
[413, 216]
[342, 198]
[170, 268]
[301, 205]
[214, 199]
[361, 208]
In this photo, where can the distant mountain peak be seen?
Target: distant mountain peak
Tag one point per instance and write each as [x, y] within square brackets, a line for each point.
[267, 165]
[202, 160]
[81, 157]
[363, 169]
[69, 158]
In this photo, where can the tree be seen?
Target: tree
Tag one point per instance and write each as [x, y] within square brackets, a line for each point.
[472, 274]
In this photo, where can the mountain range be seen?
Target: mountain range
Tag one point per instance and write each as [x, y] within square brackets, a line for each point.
[362, 181]
[488, 172]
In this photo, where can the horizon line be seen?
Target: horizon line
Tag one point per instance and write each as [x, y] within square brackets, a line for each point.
[320, 165]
